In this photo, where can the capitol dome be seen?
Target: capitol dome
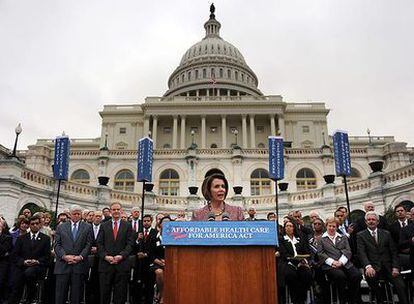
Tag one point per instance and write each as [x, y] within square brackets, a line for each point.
[213, 67]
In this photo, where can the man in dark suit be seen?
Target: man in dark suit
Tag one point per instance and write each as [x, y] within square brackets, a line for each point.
[115, 243]
[144, 279]
[135, 221]
[395, 229]
[31, 257]
[378, 256]
[92, 285]
[73, 241]
[407, 243]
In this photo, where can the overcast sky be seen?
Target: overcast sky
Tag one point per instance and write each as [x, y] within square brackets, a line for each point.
[61, 61]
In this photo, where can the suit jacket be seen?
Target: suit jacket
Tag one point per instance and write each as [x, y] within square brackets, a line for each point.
[144, 245]
[286, 248]
[5, 247]
[66, 245]
[381, 255]
[235, 213]
[122, 245]
[406, 241]
[25, 249]
[327, 249]
[395, 229]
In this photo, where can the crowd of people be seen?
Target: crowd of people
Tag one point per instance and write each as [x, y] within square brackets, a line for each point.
[105, 256]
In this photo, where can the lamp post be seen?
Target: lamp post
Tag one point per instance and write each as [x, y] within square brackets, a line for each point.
[18, 130]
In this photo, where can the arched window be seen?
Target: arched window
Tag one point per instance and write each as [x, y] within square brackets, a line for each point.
[305, 179]
[169, 182]
[124, 180]
[261, 145]
[260, 182]
[166, 146]
[355, 175]
[80, 176]
[213, 146]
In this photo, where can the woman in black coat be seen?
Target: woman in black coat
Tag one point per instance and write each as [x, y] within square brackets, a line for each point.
[293, 262]
[5, 249]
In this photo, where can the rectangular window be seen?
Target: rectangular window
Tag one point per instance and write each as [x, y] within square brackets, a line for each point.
[305, 129]
[196, 75]
[122, 130]
[167, 130]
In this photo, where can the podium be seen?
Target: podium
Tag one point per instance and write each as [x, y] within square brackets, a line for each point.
[216, 266]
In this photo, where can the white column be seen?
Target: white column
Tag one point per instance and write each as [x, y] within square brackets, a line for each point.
[182, 141]
[175, 125]
[272, 125]
[252, 132]
[244, 131]
[154, 130]
[281, 125]
[146, 126]
[223, 132]
[203, 132]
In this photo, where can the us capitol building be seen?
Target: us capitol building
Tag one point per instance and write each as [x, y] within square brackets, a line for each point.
[212, 118]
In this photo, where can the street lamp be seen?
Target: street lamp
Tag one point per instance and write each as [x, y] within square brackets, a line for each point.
[18, 130]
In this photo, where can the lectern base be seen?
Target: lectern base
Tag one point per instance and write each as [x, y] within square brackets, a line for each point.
[220, 275]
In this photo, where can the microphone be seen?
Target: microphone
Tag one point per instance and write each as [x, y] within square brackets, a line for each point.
[225, 216]
[211, 217]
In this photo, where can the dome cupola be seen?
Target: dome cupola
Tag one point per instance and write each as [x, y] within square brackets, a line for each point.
[212, 67]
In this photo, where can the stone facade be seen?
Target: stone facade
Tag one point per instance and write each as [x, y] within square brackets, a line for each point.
[212, 117]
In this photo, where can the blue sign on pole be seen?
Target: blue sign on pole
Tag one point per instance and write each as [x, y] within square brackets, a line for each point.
[276, 160]
[61, 160]
[145, 151]
[341, 153]
[248, 233]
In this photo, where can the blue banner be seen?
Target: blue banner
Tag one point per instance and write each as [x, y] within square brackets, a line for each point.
[228, 233]
[145, 151]
[341, 153]
[276, 160]
[61, 160]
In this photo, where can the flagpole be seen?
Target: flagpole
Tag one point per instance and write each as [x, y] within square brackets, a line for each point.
[348, 205]
[141, 225]
[277, 202]
[57, 202]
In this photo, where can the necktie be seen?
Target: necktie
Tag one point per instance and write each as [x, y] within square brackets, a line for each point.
[75, 230]
[96, 230]
[374, 235]
[135, 226]
[146, 233]
[33, 239]
[403, 224]
[115, 231]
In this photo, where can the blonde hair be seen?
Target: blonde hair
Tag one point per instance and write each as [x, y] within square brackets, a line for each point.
[331, 220]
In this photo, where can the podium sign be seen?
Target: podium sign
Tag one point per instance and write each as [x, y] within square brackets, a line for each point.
[145, 152]
[61, 159]
[341, 153]
[276, 161]
[227, 233]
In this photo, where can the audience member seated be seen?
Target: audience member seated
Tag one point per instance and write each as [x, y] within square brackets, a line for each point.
[335, 253]
[157, 256]
[5, 249]
[31, 256]
[293, 265]
[379, 258]
[395, 230]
